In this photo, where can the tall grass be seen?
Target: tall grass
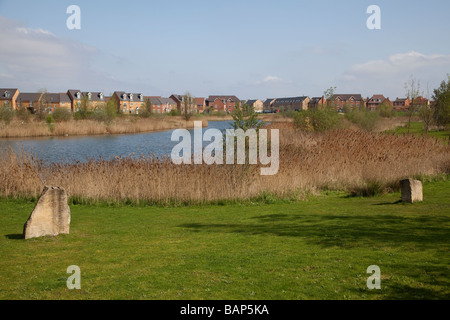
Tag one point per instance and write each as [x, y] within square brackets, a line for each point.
[338, 160]
[125, 125]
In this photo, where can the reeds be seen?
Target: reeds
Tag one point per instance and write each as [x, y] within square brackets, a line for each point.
[337, 160]
[126, 125]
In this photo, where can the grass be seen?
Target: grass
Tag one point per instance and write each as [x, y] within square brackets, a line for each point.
[418, 129]
[316, 249]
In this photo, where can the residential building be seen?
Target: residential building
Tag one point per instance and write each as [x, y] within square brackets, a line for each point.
[200, 105]
[374, 103]
[352, 101]
[8, 97]
[223, 103]
[52, 101]
[402, 104]
[317, 103]
[178, 100]
[267, 104]
[28, 100]
[257, 105]
[129, 103]
[294, 103]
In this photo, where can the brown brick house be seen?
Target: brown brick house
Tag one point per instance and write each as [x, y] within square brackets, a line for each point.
[28, 100]
[223, 103]
[293, 103]
[129, 103]
[374, 103]
[317, 103]
[401, 104]
[8, 97]
[353, 101]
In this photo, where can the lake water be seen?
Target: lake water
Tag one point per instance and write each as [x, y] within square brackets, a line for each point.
[70, 149]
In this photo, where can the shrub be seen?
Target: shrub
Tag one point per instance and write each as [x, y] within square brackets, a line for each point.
[6, 114]
[23, 114]
[365, 119]
[318, 120]
[61, 115]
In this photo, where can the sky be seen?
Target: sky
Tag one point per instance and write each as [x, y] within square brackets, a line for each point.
[254, 49]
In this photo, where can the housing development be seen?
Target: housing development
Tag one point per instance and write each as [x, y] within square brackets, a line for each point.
[133, 103]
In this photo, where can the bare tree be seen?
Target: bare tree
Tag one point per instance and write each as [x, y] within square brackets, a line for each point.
[412, 88]
[188, 106]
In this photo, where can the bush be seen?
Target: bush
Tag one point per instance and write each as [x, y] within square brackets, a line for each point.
[318, 120]
[386, 110]
[364, 119]
[23, 114]
[6, 114]
[174, 112]
[62, 115]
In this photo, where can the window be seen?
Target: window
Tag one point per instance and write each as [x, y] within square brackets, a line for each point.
[7, 94]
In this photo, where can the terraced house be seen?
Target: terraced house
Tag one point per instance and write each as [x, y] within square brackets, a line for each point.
[129, 103]
[293, 103]
[29, 100]
[222, 103]
[8, 98]
[374, 103]
[257, 105]
[352, 101]
[317, 103]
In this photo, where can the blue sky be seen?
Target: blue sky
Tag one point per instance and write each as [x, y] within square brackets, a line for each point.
[249, 48]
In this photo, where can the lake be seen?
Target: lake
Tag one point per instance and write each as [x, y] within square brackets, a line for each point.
[71, 149]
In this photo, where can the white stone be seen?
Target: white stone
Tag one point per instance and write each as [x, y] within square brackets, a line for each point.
[51, 216]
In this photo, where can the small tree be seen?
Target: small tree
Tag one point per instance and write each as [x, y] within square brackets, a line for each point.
[245, 118]
[188, 106]
[6, 113]
[441, 96]
[412, 88]
[386, 109]
[148, 109]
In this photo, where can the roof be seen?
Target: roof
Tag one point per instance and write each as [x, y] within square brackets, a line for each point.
[123, 96]
[250, 102]
[30, 97]
[4, 93]
[233, 98]
[346, 97]
[316, 99]
[291, 100]
[199, 101]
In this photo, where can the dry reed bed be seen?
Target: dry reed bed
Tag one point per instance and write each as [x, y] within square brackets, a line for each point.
[19, 129]
[342, 159]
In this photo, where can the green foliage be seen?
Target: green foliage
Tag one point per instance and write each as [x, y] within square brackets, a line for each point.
[386, 110]
[147, 111]
[23, 114]
[246, 118]
[441, 95]
[364, 118]
[61, 115]
[318, 120]
[6, 114]
[174, 113]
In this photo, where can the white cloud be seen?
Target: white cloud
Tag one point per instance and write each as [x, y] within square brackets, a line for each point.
[388, 76]
[36, 58]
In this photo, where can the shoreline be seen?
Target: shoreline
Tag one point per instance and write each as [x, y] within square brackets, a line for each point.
[80, 128]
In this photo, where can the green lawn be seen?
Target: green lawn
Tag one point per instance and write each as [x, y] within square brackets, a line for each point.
[417, 128]
[317, 249]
